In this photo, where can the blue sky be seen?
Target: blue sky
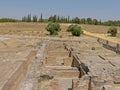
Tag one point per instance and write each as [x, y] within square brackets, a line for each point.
[100, 9]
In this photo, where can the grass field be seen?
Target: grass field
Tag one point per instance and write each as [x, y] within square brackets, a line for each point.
[22, 28]
[101, 32]
[38, 29]
[97, 28]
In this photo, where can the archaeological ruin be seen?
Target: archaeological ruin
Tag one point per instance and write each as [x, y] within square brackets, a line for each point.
[43, 63]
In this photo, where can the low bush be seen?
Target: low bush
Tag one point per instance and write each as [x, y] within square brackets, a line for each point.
[53, 28]
[112, 31]
[75, 30]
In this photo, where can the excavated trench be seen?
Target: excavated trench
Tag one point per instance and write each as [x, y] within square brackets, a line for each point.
[59, 64]
[63, 65]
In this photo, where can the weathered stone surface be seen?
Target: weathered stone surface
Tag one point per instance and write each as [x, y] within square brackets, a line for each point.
[57, 64]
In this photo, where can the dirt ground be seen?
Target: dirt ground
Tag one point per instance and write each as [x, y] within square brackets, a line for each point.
[103, 36]
[20, 41]
[38, 29]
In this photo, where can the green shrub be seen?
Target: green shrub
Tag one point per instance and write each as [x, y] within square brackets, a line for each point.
[71, 28]
[112, 31]
[53, 28]
[75, 30]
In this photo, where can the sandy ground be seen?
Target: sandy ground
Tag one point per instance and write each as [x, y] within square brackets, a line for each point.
[38, 29]
[17, 40]
[103, 36]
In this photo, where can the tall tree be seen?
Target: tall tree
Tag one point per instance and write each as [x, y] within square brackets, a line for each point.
[83, 21]
[100, 22]
[41, 18]
[95, 22]
[76, 20]
[35, 18]
[29, 18]
[24, 19]
[55, 18]
[89, 21]
[52, 18]
[68, 19]
[58, 19]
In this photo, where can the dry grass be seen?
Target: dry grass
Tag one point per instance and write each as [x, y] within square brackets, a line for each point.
[97, 28]
[101, 32]
[23, 28]
[34, 29]
[103, 36]
[38, 29]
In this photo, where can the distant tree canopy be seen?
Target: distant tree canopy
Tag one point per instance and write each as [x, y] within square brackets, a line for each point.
[52, 18]
[8, 20]
[59, 19]
[41, 18]
[95, 22]
[27, 18]
[83, 21]
[35, 18]
[62, 19]
[111, 23]
[76, 20]
[89, 21]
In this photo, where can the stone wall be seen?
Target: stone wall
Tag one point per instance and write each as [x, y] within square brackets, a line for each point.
[80, 84]
[66, 73]
[58, 54]
[110, 45]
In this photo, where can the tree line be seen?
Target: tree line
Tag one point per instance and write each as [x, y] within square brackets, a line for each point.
[62, 19]
[34, 18]
[8, 20]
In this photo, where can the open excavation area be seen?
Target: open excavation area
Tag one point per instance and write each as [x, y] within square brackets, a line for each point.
[52, 63]
[59, 45]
